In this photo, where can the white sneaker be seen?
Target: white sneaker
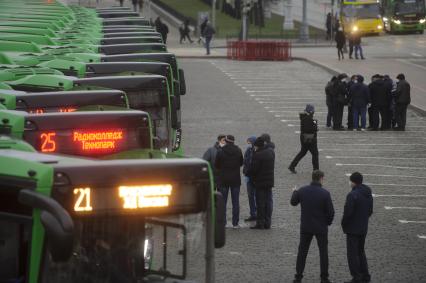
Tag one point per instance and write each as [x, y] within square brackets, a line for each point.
[228, 225]
[362, 129]
[236, 226]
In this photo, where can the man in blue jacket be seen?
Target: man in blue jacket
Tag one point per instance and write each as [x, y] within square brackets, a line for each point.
[251, 190]
[359, 98]
[317, 214]
[358, 209]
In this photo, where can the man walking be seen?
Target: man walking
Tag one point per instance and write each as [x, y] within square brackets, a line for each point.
[251, 190]
[228, 162]
[211, 153]
[308, 138]
[208, 33]
[402, 99]
[358, 209]
[317, 214]
[357, 45]
[262, 174]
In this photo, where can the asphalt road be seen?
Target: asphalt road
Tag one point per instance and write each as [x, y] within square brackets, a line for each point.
[250, 98]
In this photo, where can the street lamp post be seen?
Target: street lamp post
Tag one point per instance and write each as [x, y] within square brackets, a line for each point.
[304, 30]
[214, 13]
[288, 16]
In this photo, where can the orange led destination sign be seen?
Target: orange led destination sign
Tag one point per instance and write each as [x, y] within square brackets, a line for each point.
[145, 196]
[52, 109]
[90, 140]
[126, 198]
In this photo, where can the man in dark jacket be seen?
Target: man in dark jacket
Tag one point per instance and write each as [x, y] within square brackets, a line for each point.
[339, 101]
[228, 162]
[262, 174]
[162, 28]
[389, 87]
[251, 190]
[268, 142]
[359, 98]
[358, 209]
[402, 99]
[329, 94]
[380, 103]
[210, 155]
[317, 214]
[308, 138]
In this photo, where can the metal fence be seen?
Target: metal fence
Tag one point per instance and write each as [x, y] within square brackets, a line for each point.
[252, 50]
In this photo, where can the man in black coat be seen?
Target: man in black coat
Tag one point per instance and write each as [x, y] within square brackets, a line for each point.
[329, 94]
[358, 209]
[359, 98]
[308, 138]
[228, 162]
[262, 174]
[210, 155]
[380, 103]
[402, 99]
[317, 214]
[339, 101]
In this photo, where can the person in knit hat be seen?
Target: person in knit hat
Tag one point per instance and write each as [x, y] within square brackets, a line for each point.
[308, 138]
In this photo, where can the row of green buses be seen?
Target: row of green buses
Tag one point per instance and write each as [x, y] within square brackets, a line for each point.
[94, 185]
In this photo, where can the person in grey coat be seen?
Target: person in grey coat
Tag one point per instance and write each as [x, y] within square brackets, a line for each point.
[211, 152]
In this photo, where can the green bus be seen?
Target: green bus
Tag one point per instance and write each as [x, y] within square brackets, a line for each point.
[403, 16]
[74, 220]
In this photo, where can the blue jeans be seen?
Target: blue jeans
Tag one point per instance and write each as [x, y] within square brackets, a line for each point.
[208, 40]
[235, 196]
[251, 193]
[359, 111]
[358, 48]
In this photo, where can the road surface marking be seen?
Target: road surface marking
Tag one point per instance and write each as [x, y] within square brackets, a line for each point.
[399, 196]
[394, 176]
[411, 221]
[404, 207]
[251, 91]
[410, 63]
[396, 185]
[381, 165]
[291, 125]
[382, 144]
[416, 55]
[375, 157]
[285, 111]
[422, 237]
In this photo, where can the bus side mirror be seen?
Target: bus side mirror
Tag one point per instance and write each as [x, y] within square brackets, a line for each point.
[182, 83]
[176, 123]
[219, 227]
[56, 221]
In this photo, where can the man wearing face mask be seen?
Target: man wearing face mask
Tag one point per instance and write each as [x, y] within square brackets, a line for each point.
[357, 211]
[210, 155]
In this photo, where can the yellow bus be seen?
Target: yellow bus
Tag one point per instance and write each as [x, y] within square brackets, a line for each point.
[361, 16]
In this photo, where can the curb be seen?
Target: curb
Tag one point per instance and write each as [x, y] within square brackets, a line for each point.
[202, 57]
[334, 72]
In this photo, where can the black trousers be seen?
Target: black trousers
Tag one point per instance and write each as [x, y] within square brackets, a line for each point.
[380, 114]
[305, 242]
[351, 50]
[313, 148]
[264, 206]
[357, 259]
[401, 115]
[350, 118]
[337, 115]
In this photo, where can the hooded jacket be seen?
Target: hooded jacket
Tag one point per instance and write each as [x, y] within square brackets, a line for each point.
[228, 162]
[248, 155]
[210, 156]
[262, 168]
[358, 209]
[379, 93]
[403, 92]
[359, 95]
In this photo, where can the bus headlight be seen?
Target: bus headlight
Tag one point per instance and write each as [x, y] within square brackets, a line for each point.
[354, 28]
[422, 21]
[398, 22]
[379, 27]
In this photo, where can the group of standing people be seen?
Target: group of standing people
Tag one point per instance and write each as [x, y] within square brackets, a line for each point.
[354, 41]
[258, 162]
[386, 102]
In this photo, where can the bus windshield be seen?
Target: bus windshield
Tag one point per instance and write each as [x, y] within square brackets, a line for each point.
[364, 11]
[133, 249]
[403, 7]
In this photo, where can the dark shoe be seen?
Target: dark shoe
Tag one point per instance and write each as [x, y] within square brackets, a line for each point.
[251, 218]
[353, 281]
[297, 281]
[267, 227]
[258, 227]
[350, 57]
[325, 281]
[292, 170]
